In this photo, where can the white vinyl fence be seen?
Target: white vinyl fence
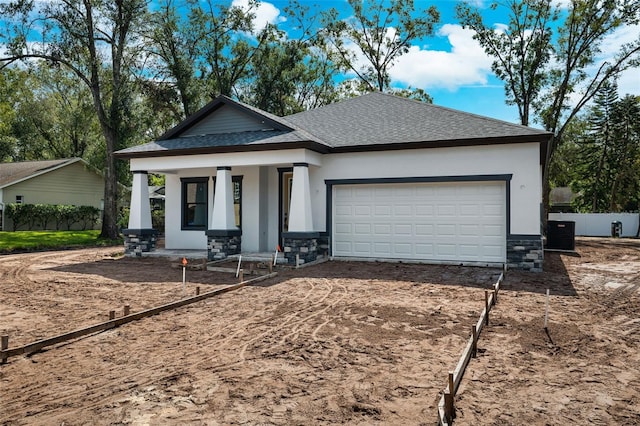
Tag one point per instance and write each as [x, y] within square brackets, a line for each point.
[599, 224]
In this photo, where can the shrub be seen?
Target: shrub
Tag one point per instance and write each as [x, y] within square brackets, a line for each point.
[30, 215]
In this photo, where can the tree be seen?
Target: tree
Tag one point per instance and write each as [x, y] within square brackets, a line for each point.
[603, 165]
[594, 157]
[521, 51]
[378, 33]
[54, 117]
[172, 49]
[95, 40]
[580, 38]
[554, 66]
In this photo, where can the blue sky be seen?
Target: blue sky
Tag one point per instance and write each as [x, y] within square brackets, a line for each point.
[451, 66]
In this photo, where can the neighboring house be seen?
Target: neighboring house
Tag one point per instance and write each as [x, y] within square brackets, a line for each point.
[561, 198]
[376, 177]
[69, 181]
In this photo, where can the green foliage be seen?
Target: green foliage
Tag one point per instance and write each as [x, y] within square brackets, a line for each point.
[601, 155]
[51, 240]
[382, 31]
[521, 51]
[40, 215]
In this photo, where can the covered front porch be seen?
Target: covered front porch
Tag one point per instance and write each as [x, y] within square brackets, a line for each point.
[229, 203]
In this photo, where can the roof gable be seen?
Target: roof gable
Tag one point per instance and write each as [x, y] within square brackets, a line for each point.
[223, 115]
[12, 173]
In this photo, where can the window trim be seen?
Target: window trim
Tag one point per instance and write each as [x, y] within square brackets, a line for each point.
[183, 203]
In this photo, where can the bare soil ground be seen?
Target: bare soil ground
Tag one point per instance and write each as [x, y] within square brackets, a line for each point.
[340, 342]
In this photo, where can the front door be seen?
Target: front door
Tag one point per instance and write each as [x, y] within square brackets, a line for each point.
[286, 180]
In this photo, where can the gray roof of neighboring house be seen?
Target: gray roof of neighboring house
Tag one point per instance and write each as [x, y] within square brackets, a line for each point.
[375, 121]
[11, 173]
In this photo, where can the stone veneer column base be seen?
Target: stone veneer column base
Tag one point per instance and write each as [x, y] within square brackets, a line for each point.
[303, 244]
[223, 243]
[138, 241]
[525, 252]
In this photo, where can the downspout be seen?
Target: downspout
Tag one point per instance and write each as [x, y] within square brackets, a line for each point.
[2, 224]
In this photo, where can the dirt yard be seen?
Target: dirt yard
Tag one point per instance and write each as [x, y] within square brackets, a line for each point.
[340, 342]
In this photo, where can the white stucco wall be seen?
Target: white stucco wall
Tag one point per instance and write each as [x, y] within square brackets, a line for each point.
[521, 160]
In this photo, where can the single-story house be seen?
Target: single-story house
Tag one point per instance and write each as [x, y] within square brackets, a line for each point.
[376, 177]
[67, 181]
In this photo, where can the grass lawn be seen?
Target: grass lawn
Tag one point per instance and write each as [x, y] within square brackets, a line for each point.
[49, 240]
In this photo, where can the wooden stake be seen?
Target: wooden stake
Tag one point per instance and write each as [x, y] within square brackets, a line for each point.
[452, 394]
[112, 315]
[127, 310]
[486, 307]
[546, 311]
[495, 293]
[4, 345]
[197, 290]
[240, 275]
[448, 398]
[271, 266]
[474, 345]
[297, 261]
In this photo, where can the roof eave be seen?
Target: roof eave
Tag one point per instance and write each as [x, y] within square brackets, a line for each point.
[310, 145]
[541, 138]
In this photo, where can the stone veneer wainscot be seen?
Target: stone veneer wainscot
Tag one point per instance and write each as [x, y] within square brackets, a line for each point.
[138, 241]
[525, 252]
[303, 244]
[223, 243]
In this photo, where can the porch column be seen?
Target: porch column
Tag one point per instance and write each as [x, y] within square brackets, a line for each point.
[300, 216]
[300, 239]
[223, 236]
[140, 236]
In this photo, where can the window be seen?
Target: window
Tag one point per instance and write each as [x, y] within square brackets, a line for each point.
[19, 199]
[194, 203]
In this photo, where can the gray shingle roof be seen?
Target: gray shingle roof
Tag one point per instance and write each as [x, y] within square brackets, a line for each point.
[13, 172]
[377, 118]
[225, 140]
[372, 121]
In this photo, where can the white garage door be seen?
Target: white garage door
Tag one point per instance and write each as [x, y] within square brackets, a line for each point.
[459, 221]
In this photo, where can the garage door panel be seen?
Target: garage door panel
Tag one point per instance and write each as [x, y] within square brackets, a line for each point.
[423, 230]
[446, 230]
[446, 210]
[404, 229]
[424, 250]
[362, 210]
[362, 229]
[382, 210]
[495, 210]
[403, 210]
[439, 221]
[362, 248]
[446, 250]
[382, 249]
[404, 249]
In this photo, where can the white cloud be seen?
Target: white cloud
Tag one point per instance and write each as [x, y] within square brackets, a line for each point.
[465, 64]
[266, 13]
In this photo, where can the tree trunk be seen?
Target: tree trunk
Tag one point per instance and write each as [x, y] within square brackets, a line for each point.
[110, 212]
